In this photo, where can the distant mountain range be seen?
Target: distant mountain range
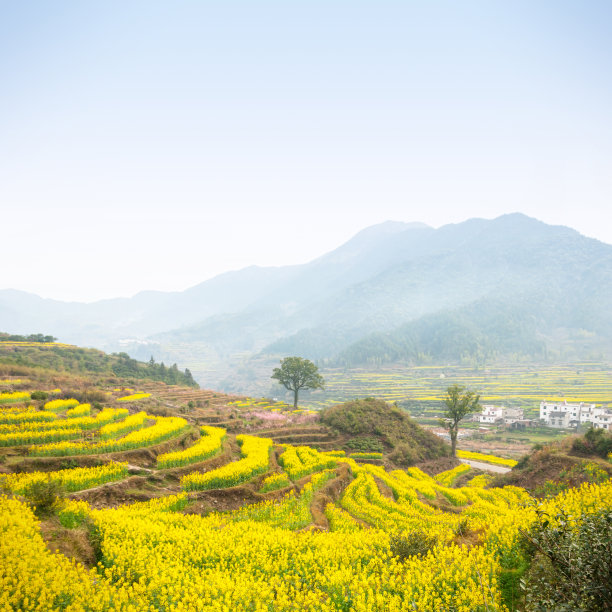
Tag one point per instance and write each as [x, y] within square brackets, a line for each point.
[512, 287]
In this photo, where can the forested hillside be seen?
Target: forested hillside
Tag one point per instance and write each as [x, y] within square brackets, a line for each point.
[511, 287]
[77, 360]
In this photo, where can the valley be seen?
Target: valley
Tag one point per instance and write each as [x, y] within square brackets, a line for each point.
[122, 492]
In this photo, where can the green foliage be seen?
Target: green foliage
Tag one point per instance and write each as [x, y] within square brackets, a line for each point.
[43, 496]
[594, 442]
[458, 403]
[127, 367]
[391, 426]
[365, 445]
[571, 567]
[474, 334]
[510, 584]
[78, 360]
[583, 472]
[415, 543]
[404, 455]
[39, 395]
[462, 527]
[31, 338]
[296, 373]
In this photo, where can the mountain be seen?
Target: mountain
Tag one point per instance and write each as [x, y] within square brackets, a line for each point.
[481, 289]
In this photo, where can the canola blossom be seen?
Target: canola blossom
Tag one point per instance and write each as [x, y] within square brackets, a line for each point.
[300, 461]
[462, 454]
[27, 416]
[130, 423]
[59, 405]
[206, 447]
[291, 512]
[372, 455]
[255, 461]
[75, 479]
[38, 432]
[163, 429]
[22, 438]
[134, 397]
[79, 411]
[275, 482]
[16, 396]
[448, 478]
[261, 557]
[85, 423]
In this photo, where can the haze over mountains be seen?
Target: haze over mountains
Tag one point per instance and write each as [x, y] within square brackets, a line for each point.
[512, 287]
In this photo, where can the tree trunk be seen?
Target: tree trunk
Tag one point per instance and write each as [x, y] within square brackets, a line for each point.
[295, 396]
[453, 436]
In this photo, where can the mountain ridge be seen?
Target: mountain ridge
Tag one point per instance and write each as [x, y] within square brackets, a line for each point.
[406, 280]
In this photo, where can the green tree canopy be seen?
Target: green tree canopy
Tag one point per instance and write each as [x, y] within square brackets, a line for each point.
[296, 373]
[458, 403]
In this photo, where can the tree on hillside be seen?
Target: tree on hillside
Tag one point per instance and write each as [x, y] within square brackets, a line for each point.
[296, 373]
[459, 402]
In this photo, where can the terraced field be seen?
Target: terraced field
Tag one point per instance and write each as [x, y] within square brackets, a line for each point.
[174, 516]
[421, 389]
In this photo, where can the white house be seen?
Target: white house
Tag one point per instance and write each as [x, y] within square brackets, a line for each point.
[558, 419]
[491, 414]
[512, 415]
[602, 419]
[569, 414]
[499, 415]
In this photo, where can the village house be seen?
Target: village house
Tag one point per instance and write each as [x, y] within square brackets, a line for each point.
[499, 415]
[571, 414]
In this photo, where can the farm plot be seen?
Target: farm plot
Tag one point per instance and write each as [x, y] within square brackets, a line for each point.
[421, 389]
[153, 556]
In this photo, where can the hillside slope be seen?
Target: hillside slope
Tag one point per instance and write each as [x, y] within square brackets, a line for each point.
[77, 361]
[512, 286]
[375, 425]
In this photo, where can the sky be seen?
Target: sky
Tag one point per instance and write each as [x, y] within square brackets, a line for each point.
[153, 145]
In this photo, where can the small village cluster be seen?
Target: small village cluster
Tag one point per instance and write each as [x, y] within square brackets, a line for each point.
[552, 414]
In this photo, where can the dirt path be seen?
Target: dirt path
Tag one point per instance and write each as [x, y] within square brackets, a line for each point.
[488, 467]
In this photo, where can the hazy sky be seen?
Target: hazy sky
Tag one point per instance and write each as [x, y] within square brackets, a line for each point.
[152, 145]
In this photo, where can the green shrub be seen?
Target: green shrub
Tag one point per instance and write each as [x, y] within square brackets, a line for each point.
[462, 527]
[366, 418]
[594, 442]
[416, 543]
[39, 395]
[571, 567]
[404, 454]
[365, 445]
[43, 496]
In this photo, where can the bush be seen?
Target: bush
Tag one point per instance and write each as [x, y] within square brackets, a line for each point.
[404, 455]
[462, 527]
[87, 396]
[571, 567]
[43, 495]
[583, 447]
[365, 445]
[366, 418]
[594, 442]
[414, 543]
[523, 462]
[39, 395]
[601, 441]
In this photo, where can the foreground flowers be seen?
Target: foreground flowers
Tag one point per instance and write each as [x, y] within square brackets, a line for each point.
[265, 556]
